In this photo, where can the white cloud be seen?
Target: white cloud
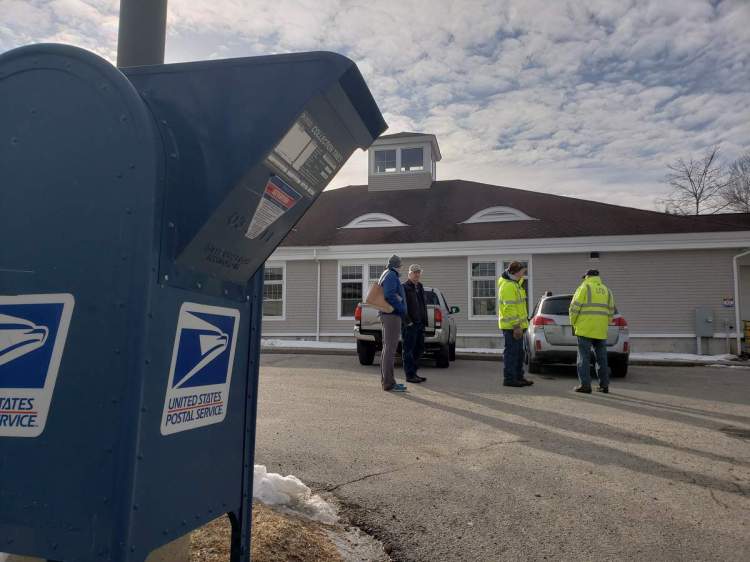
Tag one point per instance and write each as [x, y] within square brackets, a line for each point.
[585, 98]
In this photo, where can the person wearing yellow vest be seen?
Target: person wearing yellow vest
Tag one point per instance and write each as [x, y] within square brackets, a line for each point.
[513, 319]
[591, 312]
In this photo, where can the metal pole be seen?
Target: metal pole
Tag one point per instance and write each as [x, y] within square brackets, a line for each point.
[142, 33]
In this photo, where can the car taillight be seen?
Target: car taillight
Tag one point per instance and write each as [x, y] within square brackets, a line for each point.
[620, 322]
[626, 347]
[537, 345]
[358, 313]
[541, 321]
[438, 317]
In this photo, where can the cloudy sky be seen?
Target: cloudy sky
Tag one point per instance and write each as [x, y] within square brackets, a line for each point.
[588, 98]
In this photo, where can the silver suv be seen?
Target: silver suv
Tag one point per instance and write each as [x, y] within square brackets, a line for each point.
[550, 337]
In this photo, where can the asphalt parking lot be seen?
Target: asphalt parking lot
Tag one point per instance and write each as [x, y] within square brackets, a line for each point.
[461, 468]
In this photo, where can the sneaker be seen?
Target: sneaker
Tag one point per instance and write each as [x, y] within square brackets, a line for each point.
[415, 380]
[421, 379]
[584, 389]
[396, 388]
[516, 384]
[603, 389]
[526, 382]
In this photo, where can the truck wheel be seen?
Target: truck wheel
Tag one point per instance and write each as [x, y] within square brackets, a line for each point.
[452, 351]
[619, 370]
[366, 352]
[442, 357]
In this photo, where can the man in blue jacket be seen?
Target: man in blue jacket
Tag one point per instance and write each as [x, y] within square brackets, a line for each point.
[393, 292]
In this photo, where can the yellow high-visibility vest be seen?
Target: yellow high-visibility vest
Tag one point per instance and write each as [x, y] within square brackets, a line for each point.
[591, 309]
[511, 305]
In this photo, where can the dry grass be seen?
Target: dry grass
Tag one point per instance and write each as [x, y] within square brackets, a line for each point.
[276, 538]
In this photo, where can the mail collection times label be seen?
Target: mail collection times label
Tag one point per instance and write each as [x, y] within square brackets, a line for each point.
[200, 373]
[306, 157]
[33, 332]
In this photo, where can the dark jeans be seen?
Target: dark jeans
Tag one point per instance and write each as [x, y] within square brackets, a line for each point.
[413, 346]
[512, 357]
[584, 361]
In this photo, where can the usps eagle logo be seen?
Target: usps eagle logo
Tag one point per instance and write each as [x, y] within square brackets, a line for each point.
[201, 368]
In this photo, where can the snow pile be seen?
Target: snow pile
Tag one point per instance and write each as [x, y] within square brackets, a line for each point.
[3, 557]
[290, 492]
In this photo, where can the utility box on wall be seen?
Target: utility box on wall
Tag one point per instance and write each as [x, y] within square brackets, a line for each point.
[137, 208]
[704, 322]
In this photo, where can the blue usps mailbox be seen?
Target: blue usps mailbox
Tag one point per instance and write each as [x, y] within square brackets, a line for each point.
[137, 208]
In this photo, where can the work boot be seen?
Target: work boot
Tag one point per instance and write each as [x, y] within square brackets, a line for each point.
[584, 389]
[414, 379]
[603, 389]
[517, 384]
[526, 382]
[421, 378]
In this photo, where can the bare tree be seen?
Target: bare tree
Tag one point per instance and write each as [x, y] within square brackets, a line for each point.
[696, 185]
[736, 194]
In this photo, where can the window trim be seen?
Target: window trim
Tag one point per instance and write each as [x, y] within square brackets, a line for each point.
[282, 265]
[479, 216]
[397, 150]
[498, 261]
[428, 162]
[400, 162]
[365, 280]
[389, 219]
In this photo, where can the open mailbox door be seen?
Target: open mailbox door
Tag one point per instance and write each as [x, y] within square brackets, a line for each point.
[137, 208]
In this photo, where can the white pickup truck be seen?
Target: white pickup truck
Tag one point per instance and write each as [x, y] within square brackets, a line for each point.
[439, 334]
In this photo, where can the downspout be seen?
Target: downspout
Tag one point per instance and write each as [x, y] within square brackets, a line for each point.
[737, 304]
[317, 298]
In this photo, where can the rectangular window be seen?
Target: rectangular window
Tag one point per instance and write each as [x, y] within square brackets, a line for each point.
[355, 281]
[273, 291]
[412, 159]
[385, 161]
[483, 288]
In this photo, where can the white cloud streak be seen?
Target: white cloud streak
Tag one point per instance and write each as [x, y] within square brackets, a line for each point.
[589, 99]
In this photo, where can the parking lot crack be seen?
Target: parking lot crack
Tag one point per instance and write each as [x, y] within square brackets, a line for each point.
[371, 475]
[490, 446]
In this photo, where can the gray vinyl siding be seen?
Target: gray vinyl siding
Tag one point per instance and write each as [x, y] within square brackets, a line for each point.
[301, 300]
[657, 292]
[390, 182]
[329, 294]
[450, 275]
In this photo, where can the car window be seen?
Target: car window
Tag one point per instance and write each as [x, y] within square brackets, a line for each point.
[431, 298]
[556, 306]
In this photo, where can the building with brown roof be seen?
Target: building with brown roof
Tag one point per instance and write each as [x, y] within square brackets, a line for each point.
[660, 267]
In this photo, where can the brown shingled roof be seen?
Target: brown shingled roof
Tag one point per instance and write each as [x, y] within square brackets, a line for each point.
[435, 215]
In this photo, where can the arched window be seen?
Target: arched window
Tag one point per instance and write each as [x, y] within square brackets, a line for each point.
[498, 214]
[374, 220]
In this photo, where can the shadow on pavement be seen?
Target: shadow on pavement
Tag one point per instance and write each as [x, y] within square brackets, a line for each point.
[579, 449]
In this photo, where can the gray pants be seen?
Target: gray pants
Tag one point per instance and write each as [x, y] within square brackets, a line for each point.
[391, 332]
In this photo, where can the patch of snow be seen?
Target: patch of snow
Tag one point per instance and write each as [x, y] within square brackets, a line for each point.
[290, 492]
[3, 556]
[306, 344]
[688, 357]
[482, 350]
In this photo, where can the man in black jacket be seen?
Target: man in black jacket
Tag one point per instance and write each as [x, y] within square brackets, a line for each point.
[412, 332]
